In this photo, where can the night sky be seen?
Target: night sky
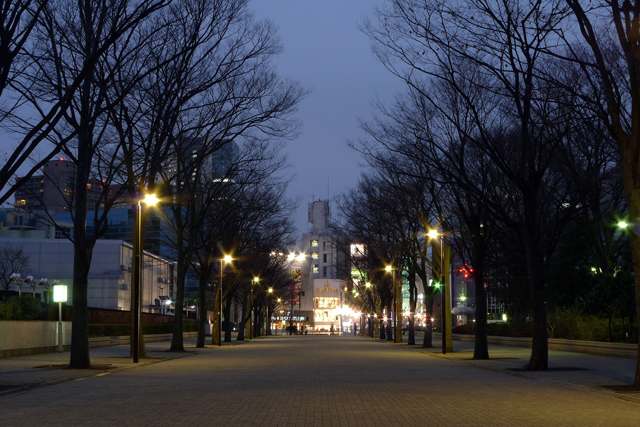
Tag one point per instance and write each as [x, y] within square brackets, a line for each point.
[326, 52]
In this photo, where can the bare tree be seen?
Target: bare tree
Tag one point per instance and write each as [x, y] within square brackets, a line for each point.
[474, 66]
[86, 40]
[12, 260]
[612, 67]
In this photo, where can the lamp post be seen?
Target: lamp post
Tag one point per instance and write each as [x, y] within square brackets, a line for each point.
[60, 296]
[29, 280]
[269, 312]
[138, 250]
[227, 259]
[433, 234]
[15, 277]
[45, 284]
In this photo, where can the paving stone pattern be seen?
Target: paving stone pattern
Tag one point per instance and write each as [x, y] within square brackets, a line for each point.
[316, 381]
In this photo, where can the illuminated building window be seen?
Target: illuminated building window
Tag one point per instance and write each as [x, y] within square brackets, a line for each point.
[315, 269]
[357, 250]
[314, 255]
[314, 243]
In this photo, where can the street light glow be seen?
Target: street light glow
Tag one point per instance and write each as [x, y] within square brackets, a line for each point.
[368, 284]
[151, 200]
[270, 290]
[388, 268]
[623, 224]
[256, 279]
[228, 258]
[433, 234]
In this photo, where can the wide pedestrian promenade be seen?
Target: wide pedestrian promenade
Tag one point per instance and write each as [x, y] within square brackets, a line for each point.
[317, 381]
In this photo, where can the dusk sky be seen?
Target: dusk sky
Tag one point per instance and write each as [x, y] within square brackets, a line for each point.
[326, 52]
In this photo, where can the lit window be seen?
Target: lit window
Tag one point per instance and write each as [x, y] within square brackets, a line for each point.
[357, 250]
[314, 255]
[314, 243]
[88, 186]
[315, 268]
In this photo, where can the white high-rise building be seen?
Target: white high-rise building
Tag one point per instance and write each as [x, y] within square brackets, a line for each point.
[322, 293]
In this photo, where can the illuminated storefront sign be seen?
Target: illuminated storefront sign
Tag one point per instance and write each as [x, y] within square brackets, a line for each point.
[327, 288]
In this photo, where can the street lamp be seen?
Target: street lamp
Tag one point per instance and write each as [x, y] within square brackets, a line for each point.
[227, 259]
[45, 284]
[433, 234]
[397, 303]
[29, 280]
[60, 296]
[279, 301]
[269, 314]
[15, 277]
[138, 250]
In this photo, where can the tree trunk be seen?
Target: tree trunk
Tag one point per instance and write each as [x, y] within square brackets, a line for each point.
[383, 332]
[397, 311]
[631, 179]
[80, 329]
[241, 325]
[428, 328]
[481, 347]
[202, 306]
[413, 298]
[82, 252]
[268, 319]
[177, 342]
[216, 318]
[228, 326]
[535, 268]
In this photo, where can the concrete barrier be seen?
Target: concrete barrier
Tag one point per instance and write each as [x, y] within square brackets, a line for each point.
[22, 338]
[588, 347]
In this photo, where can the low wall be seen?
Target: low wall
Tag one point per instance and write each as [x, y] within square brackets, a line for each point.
[22, 338]
[126, 339]
[575, 346]
[19, 338]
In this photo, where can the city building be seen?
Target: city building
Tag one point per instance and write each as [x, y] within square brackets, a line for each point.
[52, 190]
[109, 275]
[318, 260]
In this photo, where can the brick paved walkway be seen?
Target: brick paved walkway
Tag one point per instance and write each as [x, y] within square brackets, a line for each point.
[320, 381]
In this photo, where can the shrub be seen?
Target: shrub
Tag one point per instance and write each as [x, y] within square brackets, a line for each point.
[25, 307]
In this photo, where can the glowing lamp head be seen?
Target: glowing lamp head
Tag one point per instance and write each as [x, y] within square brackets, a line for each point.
[151, 200]
[368, 284]
[388, 268]
[270, 290]
[228, 258]
[256, 279]
[60, 293]
[433, 234]
[623, 224]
